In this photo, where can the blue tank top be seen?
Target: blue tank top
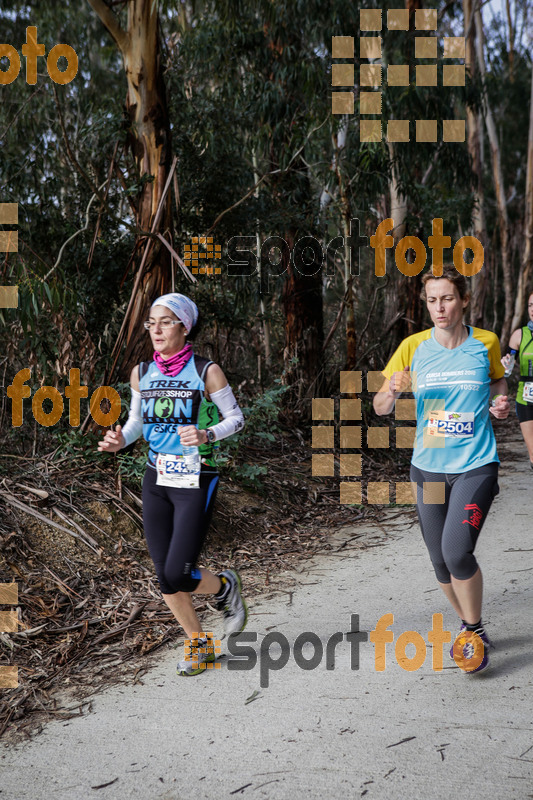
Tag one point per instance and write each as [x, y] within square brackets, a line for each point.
[451, 388]
[168, 402]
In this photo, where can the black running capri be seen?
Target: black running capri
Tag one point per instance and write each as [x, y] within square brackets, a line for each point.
[175, 525]
[451, 528]
[524, 412]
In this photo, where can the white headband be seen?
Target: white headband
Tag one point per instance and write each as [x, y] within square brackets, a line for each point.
[182, 306]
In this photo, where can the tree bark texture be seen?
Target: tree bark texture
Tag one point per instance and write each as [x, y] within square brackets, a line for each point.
[525, 285]
[302, 356]
[473, 124]
[149, 140]
[499, 188]
[302, 293]
[398, 203]
[346, 212]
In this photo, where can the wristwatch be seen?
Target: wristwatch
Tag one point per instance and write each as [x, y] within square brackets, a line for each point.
[211, 438]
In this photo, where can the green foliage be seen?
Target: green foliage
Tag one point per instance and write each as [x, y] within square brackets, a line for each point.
[132, 466]
[38, 126]
[261, 424]
[249, 91]
[79, 447]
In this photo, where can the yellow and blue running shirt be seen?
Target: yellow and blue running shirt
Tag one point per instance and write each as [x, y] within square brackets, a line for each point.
[451, 388]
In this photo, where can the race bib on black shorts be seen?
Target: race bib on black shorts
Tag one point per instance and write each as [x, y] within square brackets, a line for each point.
[173, 471]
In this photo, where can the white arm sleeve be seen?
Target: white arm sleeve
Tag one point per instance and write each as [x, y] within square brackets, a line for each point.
[134, 424]
[233, 420]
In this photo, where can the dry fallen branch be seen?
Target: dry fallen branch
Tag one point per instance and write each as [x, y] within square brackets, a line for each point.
[89, 603]
[28, 510]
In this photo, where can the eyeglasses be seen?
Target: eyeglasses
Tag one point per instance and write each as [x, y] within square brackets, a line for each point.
[163, 323]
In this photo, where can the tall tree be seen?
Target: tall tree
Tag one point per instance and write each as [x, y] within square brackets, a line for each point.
[288, 119]
[474, 133]
[340, 142]
[149, 139]
[498, 178]
[526, 268]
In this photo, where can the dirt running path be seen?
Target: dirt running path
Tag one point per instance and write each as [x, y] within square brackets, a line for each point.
[322, 733]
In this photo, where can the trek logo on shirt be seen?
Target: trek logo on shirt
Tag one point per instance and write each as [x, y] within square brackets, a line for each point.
[475, 517]
[169, 384]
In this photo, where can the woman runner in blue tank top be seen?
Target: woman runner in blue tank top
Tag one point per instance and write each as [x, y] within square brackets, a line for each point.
[457, 379]
[168, 405]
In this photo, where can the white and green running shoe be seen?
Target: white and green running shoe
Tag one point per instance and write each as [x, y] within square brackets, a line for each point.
[232, 604]
[201, 653]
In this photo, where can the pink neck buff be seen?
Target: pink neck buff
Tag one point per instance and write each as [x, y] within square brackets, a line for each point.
[173, 365]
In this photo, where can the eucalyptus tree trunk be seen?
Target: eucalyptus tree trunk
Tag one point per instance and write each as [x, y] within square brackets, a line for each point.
[262, 307]
[149, 140]
[303, 312]
[525, 286]
[346, 216]
[511, 40]
[499, 189]
[408, 289]
[398, 203]
[475, 149]
[302, 290]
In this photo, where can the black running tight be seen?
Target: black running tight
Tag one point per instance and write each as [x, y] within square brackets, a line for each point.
[175, 525]
[451, 528]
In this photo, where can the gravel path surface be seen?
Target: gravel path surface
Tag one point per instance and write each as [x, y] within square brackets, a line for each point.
[318, 733]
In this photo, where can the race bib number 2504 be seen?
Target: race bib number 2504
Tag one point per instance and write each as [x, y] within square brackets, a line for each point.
[451, 423]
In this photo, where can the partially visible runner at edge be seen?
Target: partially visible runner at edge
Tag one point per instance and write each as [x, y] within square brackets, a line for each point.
[457, 378]
[175, 400]
[521, 342]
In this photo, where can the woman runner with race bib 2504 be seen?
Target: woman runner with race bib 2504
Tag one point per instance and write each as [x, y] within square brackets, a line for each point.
[170, 407]
[456, 375]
